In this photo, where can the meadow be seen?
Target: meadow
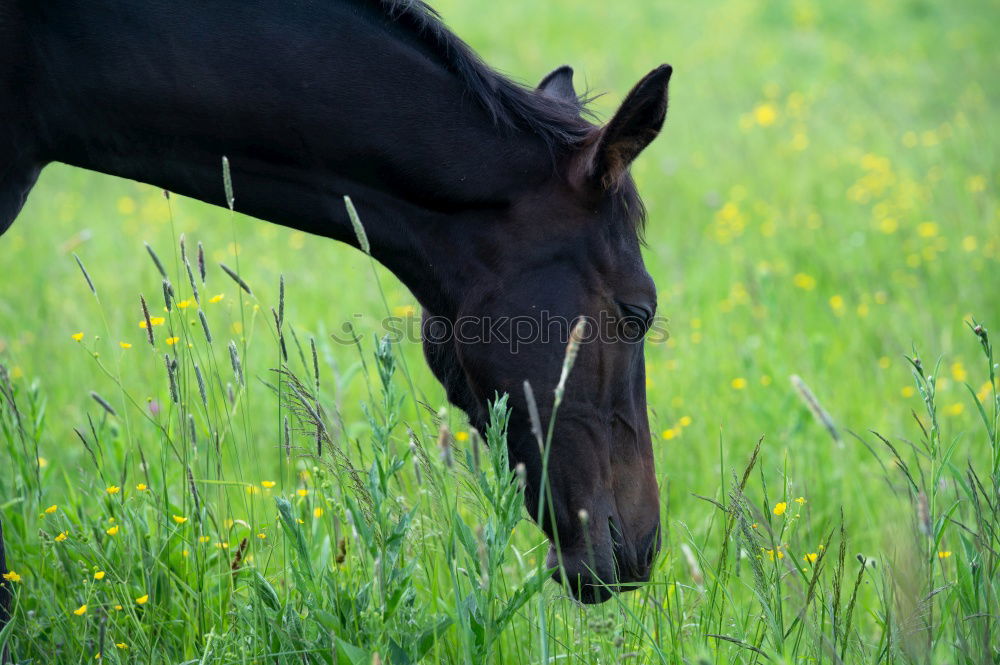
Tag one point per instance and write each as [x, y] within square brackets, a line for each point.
[823, 205]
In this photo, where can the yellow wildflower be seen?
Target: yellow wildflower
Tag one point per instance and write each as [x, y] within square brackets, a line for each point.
[61, 537]
[118, 608]
[811, 557]
[125, 345]
[944, 554]
[203, 539]
[927, 229]
[685, 421]
[141, 487]
[11, 576]
[262, 536]
[180, 519]
[765, 114]
[739, 383]
[907, 391]
[155, 320]
[771, 554]
[837, 304]
[113, 530]
[461, 436]
[113, 489]
[302, 492]
[669, 434]
[958, 371]
[80, 611]
[99, 575]
[121, 645]
[954, 409]
[77, 337]
[42, 462]
[803, 281]
[317, 512]
[141, 600]
[183, 304]
[51, 509]
[172, 340]
[780, 508]
[404, 310]
[888, 225]
[218, 298]
[267, 484]
[800, 500]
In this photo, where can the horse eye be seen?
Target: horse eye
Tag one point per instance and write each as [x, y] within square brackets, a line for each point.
[637, 315]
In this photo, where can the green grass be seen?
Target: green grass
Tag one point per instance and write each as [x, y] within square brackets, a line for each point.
[823, 203]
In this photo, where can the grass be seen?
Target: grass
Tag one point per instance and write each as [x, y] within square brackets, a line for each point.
[823, 204]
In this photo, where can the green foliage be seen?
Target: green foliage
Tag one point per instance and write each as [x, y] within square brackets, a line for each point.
[822, 200]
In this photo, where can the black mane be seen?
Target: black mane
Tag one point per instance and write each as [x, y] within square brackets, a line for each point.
[510, 104]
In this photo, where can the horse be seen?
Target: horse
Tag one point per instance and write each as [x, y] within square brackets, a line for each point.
[488, 199]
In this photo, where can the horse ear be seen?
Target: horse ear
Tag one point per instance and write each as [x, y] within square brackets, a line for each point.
[558, 84]
[632, 128]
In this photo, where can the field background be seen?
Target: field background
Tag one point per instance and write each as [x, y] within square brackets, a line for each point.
[823, 199]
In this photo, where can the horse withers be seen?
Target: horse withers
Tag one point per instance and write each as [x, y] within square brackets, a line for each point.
[489, 200]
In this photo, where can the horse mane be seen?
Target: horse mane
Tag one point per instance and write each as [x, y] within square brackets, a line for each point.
[509, 104]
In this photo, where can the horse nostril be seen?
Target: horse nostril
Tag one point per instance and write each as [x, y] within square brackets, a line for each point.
[649, 548]
[617, 540]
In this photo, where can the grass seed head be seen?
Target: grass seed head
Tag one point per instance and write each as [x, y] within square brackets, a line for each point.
[191, 280]
[816, 408]
[104, 403]
[236, 278]
[359, 229]
[924, 514]
[171, 365]
[201, 262]
[156, 260]
[446, 445]
[149, 322]
[86, 275]
[227, 183]
[201, 385]
[168, 294]
[204, 326]
[234, 358]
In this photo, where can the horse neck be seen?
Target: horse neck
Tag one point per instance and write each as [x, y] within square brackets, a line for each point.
[344, 107]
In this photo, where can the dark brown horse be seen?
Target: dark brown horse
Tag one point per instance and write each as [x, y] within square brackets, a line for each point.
[492, 202]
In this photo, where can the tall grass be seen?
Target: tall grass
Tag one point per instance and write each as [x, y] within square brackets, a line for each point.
[181, 539]
[824, 194]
